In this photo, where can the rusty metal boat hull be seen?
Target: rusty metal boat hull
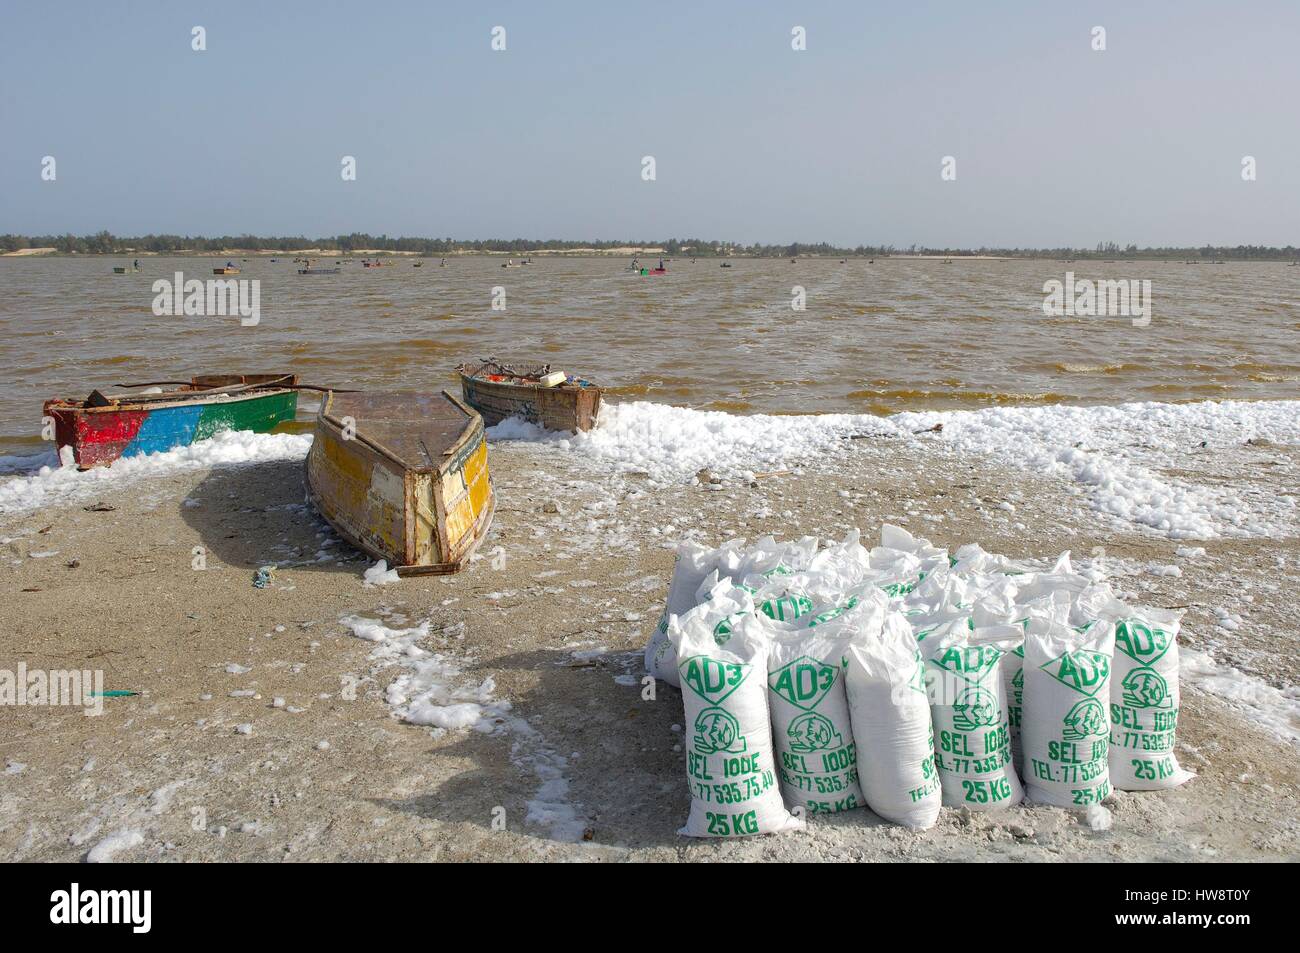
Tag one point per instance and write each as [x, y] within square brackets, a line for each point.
[571, 406]
[403, 477]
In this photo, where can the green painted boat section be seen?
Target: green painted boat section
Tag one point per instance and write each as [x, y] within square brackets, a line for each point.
[259, 414]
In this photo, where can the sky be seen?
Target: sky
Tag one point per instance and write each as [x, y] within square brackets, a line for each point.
[1054, 143]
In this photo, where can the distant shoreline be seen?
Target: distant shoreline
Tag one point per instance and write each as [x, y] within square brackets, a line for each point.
[364, 245]
[619, 253]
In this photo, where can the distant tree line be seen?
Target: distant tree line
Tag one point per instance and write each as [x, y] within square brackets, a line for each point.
[105, 243]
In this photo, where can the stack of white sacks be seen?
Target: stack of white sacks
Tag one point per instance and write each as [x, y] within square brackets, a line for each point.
[901, 678]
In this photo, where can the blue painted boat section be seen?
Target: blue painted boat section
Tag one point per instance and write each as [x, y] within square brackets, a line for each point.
[165, 429]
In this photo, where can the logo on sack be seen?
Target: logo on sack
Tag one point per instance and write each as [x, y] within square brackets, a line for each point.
[971, 663]
[1081, 670]
[804, 682]
[717, 729]
[834, 613]
[710, 679]
[1142, 643]
[786, 607]
[722, 631]
[1145, 688]
[1087, 719]
[813, 732]
[975, 709]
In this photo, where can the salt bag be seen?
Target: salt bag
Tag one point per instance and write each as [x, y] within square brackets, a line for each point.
[694, 564]
[963, 675]
[890, 714]
[988, 612]
[1065, 724]
[817, 760]
[730, 768]
[719, 612]
[768, 558]
[1144, 701]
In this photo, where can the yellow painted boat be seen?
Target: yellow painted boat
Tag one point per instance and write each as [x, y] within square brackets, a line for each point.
[403, 476]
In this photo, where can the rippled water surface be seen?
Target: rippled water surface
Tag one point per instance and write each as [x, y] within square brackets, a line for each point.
[896, 334]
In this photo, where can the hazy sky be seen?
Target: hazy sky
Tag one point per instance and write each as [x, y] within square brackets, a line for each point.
[753, 141]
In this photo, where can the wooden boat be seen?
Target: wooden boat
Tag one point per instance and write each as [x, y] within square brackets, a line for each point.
[319, 271]
[653, 271]
[403, 476]
[119, 271]
[100, 429]
[499, 391]
[225, 271]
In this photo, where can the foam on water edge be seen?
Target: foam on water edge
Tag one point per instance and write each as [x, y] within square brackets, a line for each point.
[1114, 454]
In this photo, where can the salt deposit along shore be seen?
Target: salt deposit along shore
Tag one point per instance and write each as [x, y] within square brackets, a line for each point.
[499, 714]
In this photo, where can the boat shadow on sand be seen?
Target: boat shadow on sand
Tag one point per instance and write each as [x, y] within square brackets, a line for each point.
[257, 514]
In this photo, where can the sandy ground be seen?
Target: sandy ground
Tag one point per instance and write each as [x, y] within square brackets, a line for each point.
[556, 616]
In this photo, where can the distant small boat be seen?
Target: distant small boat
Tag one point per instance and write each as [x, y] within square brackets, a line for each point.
[499, 391]
[319, 271]
[403, 477]
[120, 271]
[100, 429]
[725, 264]
[417, 264]
[225, 271]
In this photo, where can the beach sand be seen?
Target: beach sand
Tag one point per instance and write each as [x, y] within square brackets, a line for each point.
[558, 624]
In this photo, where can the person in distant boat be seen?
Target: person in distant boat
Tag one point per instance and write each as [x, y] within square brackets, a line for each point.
[230, 264]
[137, 264]
[661, 264]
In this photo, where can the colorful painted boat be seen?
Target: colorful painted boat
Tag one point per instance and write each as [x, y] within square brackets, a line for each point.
[499, 391]
[225, 271]
[100, 429]
[403, 476]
